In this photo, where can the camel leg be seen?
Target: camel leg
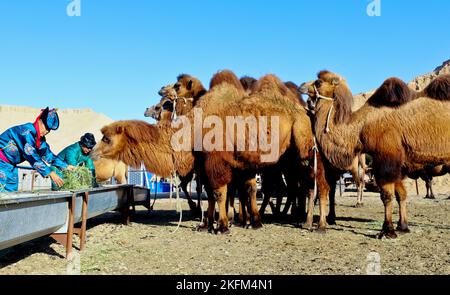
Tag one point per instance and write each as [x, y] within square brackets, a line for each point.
[264, 204]
[292, 190]
[401, 195]
[199, 191]
[231, 194]
[251, 191]
[331, 189]
[387, 195]
[184, 183]
[244, 216]
[429, 185]
[208, 222]
[356, 177]
[220, 196]
[310, 214]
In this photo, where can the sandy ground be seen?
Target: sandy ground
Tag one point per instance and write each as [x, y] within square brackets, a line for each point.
[149, 247]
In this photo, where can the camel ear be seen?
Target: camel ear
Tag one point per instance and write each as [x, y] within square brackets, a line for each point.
[189, 85]
[119, 130]
[336, 81]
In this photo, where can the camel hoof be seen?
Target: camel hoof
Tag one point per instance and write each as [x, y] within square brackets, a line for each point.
[307, 226]
[201, 227]
[257, 225]
[223, 231]
[432, 197]
[388, 234]
[321, 230]
[403, 229]
[331, 220]
[359, 205]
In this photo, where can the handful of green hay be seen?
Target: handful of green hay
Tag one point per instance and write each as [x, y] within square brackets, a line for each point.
[79, 179]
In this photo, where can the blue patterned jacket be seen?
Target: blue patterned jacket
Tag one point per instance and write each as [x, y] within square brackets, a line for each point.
[18, 144]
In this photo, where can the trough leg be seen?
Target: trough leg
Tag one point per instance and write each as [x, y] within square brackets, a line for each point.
[84, 221]
[126, 210]
[66, 239]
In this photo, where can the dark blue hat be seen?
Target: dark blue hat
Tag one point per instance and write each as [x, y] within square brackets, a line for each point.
[88, 140]
[50, 119]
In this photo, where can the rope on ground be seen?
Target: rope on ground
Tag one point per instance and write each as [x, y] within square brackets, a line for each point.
[176, 182]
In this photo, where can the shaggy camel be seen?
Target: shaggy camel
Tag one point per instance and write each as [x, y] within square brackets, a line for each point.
[427, 175]
[163, 113]
[400, 140]
[135, 141]
[191, 89]
[391, 94]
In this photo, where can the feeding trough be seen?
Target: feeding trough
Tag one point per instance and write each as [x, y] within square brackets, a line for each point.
[25, 216]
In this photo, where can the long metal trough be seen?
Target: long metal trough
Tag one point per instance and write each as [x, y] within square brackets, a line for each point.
[24, 217]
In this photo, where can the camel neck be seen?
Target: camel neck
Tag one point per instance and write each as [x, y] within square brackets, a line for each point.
[339, 144]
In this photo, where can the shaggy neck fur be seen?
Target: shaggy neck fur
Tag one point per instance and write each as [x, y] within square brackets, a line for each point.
[151, 145]
[340, 145]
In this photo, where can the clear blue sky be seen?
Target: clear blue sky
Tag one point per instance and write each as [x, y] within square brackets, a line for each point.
[117, 54]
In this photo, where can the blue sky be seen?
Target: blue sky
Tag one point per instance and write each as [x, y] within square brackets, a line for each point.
[117, 54]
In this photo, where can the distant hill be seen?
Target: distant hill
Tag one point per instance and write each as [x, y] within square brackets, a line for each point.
[74, 123]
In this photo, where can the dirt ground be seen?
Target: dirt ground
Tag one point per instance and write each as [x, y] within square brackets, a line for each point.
[149, 247]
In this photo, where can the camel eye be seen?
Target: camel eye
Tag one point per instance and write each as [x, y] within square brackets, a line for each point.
[318, 83]
[106, 140]
[176, 87]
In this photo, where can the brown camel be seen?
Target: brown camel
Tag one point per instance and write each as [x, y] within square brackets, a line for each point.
[400, 140]
[164, 113]
[178, 99]
[134, 141]
[427, 175]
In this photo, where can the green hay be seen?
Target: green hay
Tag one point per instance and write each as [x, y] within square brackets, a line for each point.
[79, 179]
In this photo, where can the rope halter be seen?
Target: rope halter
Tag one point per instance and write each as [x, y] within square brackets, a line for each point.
[175, 101]
[320, 96]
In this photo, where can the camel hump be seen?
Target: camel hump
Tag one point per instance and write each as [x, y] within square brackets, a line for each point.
[248, 83]
[271, 84]
[392, 93]
[226, 76]
[439, 88]
[294, 89]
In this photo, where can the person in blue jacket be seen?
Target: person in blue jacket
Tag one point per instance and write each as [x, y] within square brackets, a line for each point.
[27, 143]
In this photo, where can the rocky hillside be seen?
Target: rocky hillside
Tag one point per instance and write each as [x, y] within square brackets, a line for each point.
[74, 123]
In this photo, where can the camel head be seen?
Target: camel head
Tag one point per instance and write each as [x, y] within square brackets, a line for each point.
[161, 111]
[168, 91]
[121, 139]
[189, 87]
[329, 87]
